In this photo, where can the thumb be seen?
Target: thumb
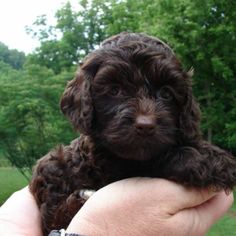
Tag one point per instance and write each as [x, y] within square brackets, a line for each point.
[184, 198]
[210, 211]
[200, 218]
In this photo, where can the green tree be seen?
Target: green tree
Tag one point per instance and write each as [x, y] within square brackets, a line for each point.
[12, 57]
[73, 36]
[30, 121]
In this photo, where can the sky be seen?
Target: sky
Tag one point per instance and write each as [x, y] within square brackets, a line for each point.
[16, 14]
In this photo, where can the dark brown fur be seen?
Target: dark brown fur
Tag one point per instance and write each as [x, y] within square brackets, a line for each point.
[131, 78]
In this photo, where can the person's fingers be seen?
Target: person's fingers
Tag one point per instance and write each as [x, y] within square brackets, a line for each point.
[176, 203]
[210, 211]
[174, 197]
[13, 201]
[200, 218]
[20, 214]
[177, 196]
[21, 203]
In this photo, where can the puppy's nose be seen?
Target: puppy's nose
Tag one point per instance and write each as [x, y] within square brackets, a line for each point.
[145, 125]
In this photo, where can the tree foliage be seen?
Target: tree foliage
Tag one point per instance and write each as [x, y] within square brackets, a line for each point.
[30, 120]
[12, 57]
[74, 35]
[202, 33]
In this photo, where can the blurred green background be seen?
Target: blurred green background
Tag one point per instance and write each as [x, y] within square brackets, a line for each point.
[202, 33]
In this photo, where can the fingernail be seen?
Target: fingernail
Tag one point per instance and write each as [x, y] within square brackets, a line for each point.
[86, 193]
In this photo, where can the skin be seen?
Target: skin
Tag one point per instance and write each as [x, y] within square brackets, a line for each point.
[19, 215]
[136, 206]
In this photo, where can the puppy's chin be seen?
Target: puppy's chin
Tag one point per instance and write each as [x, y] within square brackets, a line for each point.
[139, 155]
[139, 152]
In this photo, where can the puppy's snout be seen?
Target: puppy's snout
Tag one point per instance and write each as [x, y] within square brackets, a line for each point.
[145, 125]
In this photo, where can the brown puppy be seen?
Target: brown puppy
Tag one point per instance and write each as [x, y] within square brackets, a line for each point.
[133, 105]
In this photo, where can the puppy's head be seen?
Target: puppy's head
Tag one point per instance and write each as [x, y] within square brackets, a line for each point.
[134, 97]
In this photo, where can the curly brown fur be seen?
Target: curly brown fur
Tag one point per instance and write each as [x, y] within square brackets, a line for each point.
[133, 105]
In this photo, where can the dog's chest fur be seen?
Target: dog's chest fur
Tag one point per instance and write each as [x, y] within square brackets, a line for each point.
[101, 167]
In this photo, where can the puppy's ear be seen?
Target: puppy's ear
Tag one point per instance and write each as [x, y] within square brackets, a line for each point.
[189, 121]
[76, 102]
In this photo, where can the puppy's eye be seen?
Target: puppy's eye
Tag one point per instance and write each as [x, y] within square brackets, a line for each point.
[165, 94]
[115, 91]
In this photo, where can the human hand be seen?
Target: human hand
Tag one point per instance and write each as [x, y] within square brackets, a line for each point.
[137, 206]
[147, 206]
[19, 215]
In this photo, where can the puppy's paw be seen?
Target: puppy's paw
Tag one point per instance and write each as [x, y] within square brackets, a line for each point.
[221, 167]
[188, 167]
[207, 166]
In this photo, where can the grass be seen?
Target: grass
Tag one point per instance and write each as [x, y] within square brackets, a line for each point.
[11, 180]
[227, 225]
[3, 161]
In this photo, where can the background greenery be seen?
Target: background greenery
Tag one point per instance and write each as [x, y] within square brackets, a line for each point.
[202, 33]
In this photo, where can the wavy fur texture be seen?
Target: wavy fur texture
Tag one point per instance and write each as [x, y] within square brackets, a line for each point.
[132, 103]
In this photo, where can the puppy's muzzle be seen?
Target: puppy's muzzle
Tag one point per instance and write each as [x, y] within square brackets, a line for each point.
[145, 125]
